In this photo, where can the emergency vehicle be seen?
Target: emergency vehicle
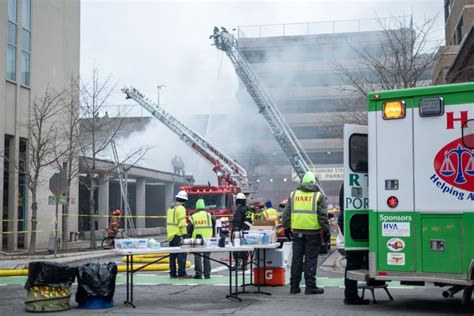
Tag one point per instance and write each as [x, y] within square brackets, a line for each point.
[219, 199]
[409, 187]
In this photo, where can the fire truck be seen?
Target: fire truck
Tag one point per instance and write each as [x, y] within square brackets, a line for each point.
[231, 176]
[409, 188]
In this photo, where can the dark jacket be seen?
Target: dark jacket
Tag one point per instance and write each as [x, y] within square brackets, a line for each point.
[322, 210]
[240, 217]
[340, 217]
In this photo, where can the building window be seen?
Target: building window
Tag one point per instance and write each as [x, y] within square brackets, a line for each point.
[11, 40]
[26, 43]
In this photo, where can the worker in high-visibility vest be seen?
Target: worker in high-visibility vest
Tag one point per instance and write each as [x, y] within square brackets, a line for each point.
[201, 224]
[304, 217]
[175, 231]
[270, 214]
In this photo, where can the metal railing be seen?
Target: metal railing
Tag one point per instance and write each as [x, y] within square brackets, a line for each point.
[322, 27]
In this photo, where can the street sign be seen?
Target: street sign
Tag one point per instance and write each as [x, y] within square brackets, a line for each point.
[62, 199]
[58, 184]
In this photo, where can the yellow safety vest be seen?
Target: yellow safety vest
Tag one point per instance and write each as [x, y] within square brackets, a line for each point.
[175, 222]
[304, 210]
[270, 214]
[202, 223]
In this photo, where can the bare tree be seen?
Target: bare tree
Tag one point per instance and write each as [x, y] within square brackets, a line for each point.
[98, 132]
[402, 59]
[67, 153]
[42, 130]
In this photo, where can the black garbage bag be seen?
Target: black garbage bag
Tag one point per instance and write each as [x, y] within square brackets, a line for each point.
[96, 280]
[51, 274]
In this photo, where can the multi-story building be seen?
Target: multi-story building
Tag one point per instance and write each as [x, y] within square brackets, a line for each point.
[299, 65]
[40, 44]
[455, 60]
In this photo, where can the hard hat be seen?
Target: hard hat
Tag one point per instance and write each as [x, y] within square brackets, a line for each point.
[200, 204]
[117, 212]
[309, 177]
[240, 196]
[183, 195]
[268, 204]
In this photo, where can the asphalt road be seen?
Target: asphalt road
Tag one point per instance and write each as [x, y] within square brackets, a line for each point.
[200, 297]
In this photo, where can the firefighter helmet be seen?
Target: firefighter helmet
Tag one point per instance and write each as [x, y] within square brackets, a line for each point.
[183, 195]
[240, 196]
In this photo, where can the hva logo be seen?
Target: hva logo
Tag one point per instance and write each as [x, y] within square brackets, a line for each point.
[454, 163]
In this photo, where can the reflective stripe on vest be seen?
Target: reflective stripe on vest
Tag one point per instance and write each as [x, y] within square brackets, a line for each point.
[304, 210]
[270, 214]
[202, 223]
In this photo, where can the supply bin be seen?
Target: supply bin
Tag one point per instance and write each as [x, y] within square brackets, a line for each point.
[48, 287]
[96, 285]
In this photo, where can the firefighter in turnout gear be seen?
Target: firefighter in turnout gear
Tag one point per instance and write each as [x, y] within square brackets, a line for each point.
[304, 217]
[175, 231]
[242, 215]
[201, 223]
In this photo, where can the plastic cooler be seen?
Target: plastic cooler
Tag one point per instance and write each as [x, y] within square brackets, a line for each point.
[271, 276]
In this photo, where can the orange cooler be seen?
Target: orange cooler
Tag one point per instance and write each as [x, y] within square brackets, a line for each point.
[273, 276]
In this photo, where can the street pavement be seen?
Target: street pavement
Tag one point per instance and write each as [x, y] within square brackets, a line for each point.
[201, 297]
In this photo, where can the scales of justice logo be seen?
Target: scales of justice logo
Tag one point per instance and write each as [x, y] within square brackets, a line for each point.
[454, 164]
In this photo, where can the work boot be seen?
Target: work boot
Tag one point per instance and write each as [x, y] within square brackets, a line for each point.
[198, 277]
[173, 276]
[185, 276]
[207, 277]
[356, 301]
[313, 290]
[295, 290]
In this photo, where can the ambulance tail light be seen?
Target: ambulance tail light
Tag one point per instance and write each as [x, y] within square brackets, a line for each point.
[382, 273]
[394, 110]
[392, 202]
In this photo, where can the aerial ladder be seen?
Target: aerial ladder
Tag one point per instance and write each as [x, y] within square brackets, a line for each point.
[280, 129]
[228, 171]
[122, 173]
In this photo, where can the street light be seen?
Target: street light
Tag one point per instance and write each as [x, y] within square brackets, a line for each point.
[159, 87]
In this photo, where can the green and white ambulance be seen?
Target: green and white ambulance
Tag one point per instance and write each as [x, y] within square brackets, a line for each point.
[409, 187]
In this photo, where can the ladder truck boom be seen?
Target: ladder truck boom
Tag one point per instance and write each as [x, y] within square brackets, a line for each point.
[280, 129]
[228, 171]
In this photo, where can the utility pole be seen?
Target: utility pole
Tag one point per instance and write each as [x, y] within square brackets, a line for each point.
[159, 87]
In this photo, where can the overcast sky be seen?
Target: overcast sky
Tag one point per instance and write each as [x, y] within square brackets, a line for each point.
[150, 43]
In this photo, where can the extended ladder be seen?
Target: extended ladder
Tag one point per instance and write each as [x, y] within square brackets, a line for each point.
[123, 182]
[280, 129]
[228, 171]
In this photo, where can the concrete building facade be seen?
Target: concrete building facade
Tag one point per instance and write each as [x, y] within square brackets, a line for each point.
[40, 50]
[455, 60]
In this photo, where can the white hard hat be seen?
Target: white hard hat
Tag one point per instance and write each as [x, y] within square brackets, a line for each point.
[183, 195]
[240, 196]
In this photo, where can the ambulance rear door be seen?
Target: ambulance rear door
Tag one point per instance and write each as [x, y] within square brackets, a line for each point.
[356, 202]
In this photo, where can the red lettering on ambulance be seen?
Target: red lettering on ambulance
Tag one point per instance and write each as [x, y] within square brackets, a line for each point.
[450, 119]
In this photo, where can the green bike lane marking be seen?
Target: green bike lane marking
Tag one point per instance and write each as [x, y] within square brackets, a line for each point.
[215, 280]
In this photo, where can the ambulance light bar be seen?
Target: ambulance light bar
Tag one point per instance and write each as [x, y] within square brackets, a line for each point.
[393, 110]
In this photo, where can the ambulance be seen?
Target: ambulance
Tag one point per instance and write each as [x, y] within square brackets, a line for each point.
[409, 188]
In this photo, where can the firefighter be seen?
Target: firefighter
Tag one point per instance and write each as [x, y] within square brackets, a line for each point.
[242, 215]
[175, 230]
[114, 226]
[304, 217]
[201, 223]
[270, 214]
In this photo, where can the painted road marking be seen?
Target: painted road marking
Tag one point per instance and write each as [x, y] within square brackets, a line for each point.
[218, 269]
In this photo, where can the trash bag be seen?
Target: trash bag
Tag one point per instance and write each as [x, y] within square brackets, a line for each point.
[96, 280]
[51, 274]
